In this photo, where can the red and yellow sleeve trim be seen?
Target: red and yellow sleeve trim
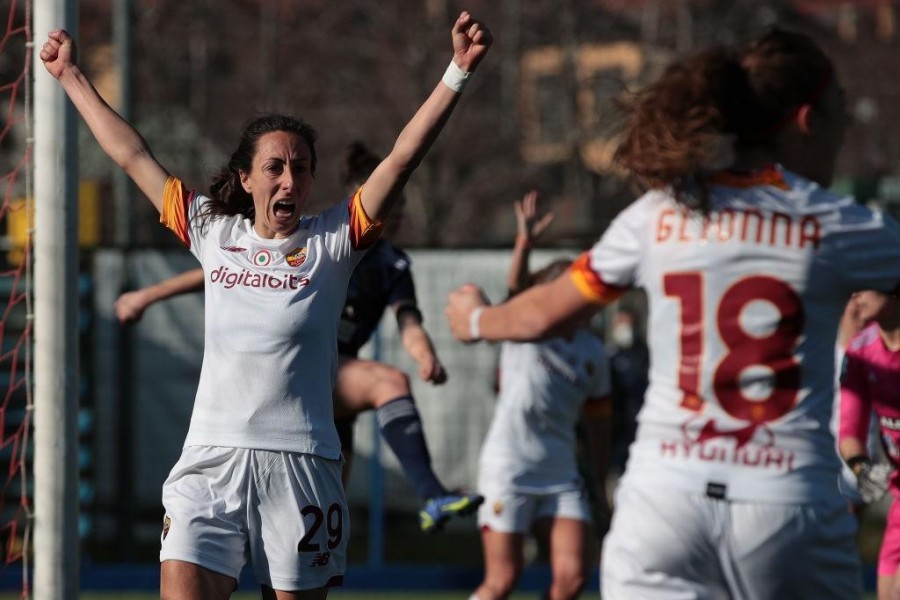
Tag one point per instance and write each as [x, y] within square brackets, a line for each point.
[589, 283]
[598, 407]
[176, 200]
[363, 231]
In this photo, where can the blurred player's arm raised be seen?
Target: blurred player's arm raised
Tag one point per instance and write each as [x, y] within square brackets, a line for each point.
[530, 225]
[131, 305]
[117, 137]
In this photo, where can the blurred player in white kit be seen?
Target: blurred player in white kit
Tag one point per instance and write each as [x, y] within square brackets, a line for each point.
[528, 469]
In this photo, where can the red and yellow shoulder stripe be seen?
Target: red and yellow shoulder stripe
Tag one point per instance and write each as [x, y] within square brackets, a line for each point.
[174, 214]
[590, 284]
[363, 231]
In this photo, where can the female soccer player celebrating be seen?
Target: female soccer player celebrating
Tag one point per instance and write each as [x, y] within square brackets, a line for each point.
[747, 260]
[383, 278]
[260, 475]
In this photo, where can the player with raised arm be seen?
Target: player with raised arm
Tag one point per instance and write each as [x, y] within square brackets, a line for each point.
[747, 260]
[870, 383]
[259, 476]
[528, 471]
[382, 279]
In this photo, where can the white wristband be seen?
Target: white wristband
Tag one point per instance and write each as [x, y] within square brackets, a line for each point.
[455, 78]
[474, 328]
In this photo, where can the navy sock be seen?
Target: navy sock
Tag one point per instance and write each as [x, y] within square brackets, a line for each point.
[401, 428]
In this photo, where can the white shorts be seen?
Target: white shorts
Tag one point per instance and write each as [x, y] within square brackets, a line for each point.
[507, 511]
[667, 545]
[283, 511]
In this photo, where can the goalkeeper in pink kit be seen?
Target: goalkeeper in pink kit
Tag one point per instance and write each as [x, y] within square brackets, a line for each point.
[870, 381]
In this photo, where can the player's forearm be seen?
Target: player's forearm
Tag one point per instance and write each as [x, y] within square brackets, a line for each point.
[517, 278]
[387, 181]
[119, 140]
[184, 283]
[851, 447]
[423, 129]
[417, 344]
[540, 312]
[855, 407]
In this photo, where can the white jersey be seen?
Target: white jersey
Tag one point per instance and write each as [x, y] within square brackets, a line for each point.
[272, 311]
[530, 446]
[744, 309]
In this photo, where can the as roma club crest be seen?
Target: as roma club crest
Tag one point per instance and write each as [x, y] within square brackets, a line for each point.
[296, 257]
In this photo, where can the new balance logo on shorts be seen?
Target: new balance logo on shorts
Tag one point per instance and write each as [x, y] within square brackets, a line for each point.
[321, 559]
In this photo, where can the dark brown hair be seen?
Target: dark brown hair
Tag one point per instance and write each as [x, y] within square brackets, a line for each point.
[551, 271]
[692, 118]
[359, 162]
[227, 195]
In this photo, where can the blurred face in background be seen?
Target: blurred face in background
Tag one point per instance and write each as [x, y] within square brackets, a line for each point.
[622, 332]
[874, 306]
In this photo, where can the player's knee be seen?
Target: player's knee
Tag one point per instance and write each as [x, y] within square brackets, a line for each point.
[568, 588]
[568, 581]
[392, 383]
[502, 583]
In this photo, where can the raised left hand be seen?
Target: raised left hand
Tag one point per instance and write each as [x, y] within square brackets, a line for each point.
[471, 40]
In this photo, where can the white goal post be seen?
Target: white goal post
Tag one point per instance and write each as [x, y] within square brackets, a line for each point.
[56, 552]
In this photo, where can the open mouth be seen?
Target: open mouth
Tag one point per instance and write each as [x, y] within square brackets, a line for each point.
[284, 209]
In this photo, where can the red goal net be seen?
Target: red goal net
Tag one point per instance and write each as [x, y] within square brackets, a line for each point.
[15, 287]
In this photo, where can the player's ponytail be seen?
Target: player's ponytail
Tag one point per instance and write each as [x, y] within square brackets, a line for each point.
[226, 193]
[704, 108]
[680, 126]
[359, 162]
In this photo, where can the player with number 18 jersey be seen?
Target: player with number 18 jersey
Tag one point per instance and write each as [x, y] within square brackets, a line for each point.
[738, 296]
